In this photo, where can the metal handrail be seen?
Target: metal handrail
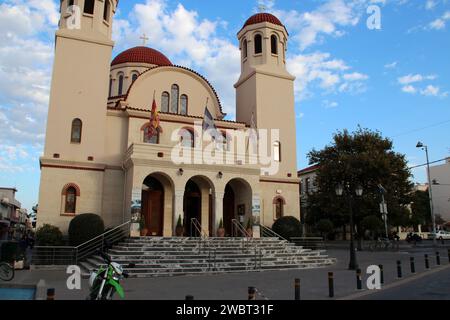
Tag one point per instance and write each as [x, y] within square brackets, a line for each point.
[269, 233]
[197, 225]
[74, 254]
[237, 226]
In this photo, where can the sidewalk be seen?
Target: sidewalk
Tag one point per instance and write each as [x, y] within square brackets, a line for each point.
[275, 285]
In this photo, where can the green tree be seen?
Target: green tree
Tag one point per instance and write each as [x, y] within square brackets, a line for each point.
[363, 158]
[420, 209]
[325, 227]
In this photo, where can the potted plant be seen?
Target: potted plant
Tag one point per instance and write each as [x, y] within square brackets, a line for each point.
[249, 227]
[221, 229]
[179, 230]
[143, 226]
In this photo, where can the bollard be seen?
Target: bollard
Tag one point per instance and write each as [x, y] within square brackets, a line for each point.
[251, 293]
[51, 294]
[399, 269]
[297, 289]
[189, 297]
[330, 285]
[358, 279]
[427, 262]
[413, 267]
[438, 258]
[381, 273]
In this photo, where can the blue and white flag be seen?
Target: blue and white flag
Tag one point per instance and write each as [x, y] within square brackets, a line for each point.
[210, 127]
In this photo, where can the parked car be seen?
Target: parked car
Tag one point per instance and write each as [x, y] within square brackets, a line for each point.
[440, 235]
[413, 237]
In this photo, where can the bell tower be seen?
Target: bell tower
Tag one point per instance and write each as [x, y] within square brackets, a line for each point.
[79, 87]
[265, 88]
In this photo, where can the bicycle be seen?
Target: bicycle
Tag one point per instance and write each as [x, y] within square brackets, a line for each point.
[6, 271]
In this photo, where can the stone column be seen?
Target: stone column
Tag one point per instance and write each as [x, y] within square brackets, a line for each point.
[218, 210]
[178, 209]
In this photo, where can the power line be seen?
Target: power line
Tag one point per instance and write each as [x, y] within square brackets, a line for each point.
[422, 128]
[422, 165]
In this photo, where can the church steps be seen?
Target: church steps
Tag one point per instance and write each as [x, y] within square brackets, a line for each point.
[183, 256]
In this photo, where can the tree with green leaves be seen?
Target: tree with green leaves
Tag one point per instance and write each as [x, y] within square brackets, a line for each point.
[361, 158]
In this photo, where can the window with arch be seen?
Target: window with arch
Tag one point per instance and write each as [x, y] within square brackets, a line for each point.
[258, 44]
[120, 89]
[134, 77]
[279, 207]
[165, 101]
[226, 140]
[106, 11]
[184, 104]
[75, 135]
[110, 87]
[154, 139]
[244, 48]
[187, 138]
[69, 194]
[277, 151]
[175, 96]
[89, 6]
[274, 44]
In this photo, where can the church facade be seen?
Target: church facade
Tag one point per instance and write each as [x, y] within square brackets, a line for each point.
[100, 158]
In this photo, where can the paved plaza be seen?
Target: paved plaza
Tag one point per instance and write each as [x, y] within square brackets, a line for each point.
[279, 285]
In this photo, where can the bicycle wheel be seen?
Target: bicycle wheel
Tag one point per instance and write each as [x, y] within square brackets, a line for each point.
[6, 272]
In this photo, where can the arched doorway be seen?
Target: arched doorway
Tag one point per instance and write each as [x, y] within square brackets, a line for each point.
[191, 207]
[237, 203]
[153, 206]
[197, 203]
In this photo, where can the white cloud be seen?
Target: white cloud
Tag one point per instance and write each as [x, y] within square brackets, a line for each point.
[330, 104]
[392, 65]
[412, 78]
[329, 74]
[430, 4]
[328, 19]
[439, 23]
[430, 90]
[187, 40]
[409, 89]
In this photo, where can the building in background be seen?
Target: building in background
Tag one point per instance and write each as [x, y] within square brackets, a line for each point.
[307, 178]
[440, 180]
[12, 217]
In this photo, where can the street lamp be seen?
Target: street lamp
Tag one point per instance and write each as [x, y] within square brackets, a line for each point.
[430, 192]
[353, 264]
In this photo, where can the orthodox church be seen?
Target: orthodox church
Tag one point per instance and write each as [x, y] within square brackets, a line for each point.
[113, 136]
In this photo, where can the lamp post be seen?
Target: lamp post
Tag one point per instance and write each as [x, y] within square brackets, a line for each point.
[353, 264]
[430, 192]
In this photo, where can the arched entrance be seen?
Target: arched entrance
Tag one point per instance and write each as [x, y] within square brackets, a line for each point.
[197, 204]
[153, 206]
[237, 203]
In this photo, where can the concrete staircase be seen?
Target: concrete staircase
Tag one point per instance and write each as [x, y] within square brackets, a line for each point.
[183, 256]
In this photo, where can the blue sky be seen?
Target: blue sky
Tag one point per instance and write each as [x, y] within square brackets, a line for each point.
[395, 80]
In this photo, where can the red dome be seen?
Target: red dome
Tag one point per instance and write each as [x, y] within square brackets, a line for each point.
[262, 17]
[142, 55]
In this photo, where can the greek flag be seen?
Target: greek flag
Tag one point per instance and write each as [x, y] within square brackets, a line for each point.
[210, 127]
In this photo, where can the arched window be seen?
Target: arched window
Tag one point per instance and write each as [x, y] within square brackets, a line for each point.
[70, 3]
[106, 11]
[258, 44]
[110, 87]
[175, 97]
[244, 48]
[279, 207]
[187, 138]
[134, 77]
[75, 135]
[70, 192]
[165, 102]
[274, 44]
[119, 91]
[89, 6]
[226, 140]
[71, 201]
[277, 151]
[184, 104]
[154, 139]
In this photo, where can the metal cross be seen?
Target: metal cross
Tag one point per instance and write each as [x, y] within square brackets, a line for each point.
[144, 39]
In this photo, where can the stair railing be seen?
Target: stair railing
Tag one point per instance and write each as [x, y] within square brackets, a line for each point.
[203, 239]
[238, 230]
[67, 255]
[269, 233]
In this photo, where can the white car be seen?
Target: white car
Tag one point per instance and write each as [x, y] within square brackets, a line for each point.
[440, 235]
